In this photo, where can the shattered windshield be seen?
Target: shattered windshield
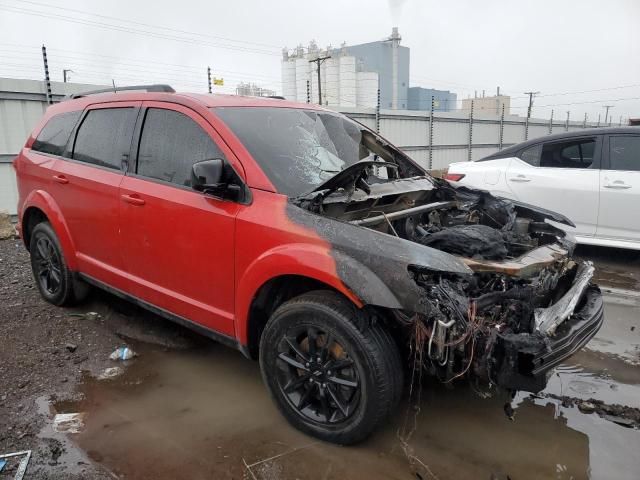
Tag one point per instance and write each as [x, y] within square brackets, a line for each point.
[300, 149]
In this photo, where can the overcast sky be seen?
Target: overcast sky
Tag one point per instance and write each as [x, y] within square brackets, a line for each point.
[551, 46]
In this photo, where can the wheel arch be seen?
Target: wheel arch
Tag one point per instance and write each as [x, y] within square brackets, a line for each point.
[292, 270]
[40, 206]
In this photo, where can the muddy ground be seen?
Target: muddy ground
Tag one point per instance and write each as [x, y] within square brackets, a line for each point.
[189, 408]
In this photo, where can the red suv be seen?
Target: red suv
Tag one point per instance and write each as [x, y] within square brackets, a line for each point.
[303, 239]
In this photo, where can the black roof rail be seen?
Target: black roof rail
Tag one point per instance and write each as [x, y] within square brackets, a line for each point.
[146, 88]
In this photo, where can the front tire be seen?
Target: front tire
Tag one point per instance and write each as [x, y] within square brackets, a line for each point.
[333, 373]
[54, 279]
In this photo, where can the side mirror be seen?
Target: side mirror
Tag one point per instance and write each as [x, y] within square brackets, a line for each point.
[206, 176]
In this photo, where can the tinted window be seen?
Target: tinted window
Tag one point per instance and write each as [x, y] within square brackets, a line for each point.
[300, 149]
[624, 153]
[104, 137]
[55, 134]
[531, 155]
[568, 154]
[170, 144]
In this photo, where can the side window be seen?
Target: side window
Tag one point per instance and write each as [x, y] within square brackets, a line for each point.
[568, 154]
[624, 153]
[531, 155]
[55, 134]
[104, 137]
[170, 144]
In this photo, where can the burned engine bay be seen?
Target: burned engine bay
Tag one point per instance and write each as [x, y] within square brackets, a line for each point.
[498, 323]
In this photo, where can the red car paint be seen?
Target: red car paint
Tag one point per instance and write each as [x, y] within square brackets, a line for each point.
[195, 256]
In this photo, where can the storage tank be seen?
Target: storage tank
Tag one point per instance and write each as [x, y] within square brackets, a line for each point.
[348, 81]
[332, 82]
[366, 89]
[289, 79]
[302, 75]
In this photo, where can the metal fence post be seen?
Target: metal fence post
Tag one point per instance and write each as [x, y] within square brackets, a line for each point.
[431, 133]
[501, 129]
[470, 131]
[378, 112]
[47, 79]
[551, 123]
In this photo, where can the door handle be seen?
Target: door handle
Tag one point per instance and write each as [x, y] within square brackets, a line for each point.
[133, 199]
[617, 185]
[520, 178]
[61, 179]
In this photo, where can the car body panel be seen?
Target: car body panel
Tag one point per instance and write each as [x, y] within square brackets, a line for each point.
[598, 200]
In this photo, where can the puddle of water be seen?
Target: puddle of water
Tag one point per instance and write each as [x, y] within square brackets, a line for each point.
[203, 413]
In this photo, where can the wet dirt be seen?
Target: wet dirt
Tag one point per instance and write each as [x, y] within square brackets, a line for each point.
[190, 408]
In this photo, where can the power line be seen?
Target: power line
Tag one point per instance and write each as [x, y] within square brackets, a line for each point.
[133, 22]
[120, 28]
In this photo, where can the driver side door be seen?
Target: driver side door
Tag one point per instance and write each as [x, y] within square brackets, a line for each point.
[178, 244]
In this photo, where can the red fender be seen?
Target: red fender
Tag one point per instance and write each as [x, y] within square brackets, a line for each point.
[280, 261]
[45, 202]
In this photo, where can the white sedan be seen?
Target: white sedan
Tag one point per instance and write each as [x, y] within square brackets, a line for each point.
[591, 176]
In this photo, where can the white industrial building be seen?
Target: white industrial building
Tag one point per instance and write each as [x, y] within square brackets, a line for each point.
[344, 80]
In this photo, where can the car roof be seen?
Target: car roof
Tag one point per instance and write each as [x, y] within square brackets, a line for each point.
[197, 100]
[509, 151]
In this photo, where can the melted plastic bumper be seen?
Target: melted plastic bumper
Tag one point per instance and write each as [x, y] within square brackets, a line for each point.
[525, 361]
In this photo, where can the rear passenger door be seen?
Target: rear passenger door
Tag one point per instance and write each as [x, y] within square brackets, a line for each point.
[86, 187]
[562, 176]
[620, 189]
[178, 243]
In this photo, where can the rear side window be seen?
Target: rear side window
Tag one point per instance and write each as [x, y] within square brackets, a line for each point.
[104, 137]
[531, 155]
[624, 153]
[170, 144]
[568, 154]
[55, 134]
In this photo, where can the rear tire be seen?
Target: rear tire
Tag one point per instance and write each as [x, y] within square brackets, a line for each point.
[52, 275]
[333, 373]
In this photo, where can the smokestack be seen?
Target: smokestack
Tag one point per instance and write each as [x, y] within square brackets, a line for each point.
[395, 43]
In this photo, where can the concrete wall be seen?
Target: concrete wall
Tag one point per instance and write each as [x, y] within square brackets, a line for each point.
[450, 139]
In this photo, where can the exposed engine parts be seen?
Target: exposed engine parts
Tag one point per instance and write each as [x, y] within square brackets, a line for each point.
[497, 321]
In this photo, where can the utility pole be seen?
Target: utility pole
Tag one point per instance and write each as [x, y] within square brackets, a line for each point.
[606, 113]
[531, 95]
[209, 78]
[566, 125]
[64, 74]
[46, 74]
[318, 61]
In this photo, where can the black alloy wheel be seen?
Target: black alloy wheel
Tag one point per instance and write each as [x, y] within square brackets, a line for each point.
[333, 370]
[48, 270]
[317, 376]
[54, 279]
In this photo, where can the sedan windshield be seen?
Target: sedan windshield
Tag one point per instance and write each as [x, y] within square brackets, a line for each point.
[300, 149]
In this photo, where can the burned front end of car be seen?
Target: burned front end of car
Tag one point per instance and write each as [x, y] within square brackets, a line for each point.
[487, 287]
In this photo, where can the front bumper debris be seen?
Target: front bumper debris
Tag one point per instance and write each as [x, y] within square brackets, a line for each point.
[548, 319]
[524, 361]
